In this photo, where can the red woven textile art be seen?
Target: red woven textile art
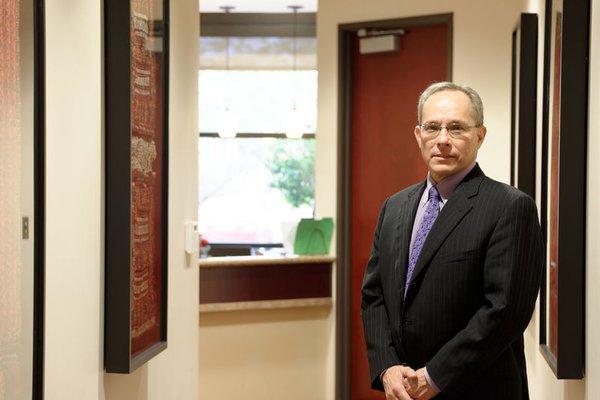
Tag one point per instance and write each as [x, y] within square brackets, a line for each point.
[146, 174]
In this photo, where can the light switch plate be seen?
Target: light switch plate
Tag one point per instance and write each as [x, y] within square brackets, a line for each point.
[25, 227]
[191, 237]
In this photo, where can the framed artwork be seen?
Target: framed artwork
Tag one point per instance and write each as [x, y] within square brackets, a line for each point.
[136, 65]
[523, 103]
[22, 194]
[563, 185]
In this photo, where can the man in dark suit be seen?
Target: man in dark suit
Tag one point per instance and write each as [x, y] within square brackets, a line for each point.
[455, 268]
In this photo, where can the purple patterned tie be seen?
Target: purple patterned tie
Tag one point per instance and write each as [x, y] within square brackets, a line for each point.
[431, 213]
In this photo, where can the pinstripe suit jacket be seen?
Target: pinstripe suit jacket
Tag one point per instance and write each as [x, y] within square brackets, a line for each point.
[472, 293]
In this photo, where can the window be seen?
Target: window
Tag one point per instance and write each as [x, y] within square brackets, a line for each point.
[253, 183]
[250, 186]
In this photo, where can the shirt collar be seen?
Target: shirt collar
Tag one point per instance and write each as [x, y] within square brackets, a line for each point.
[447, 186]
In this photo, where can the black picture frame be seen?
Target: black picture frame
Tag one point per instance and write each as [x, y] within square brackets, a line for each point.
[39, 257]
[565, 110]
[524, 104]
[122, 46]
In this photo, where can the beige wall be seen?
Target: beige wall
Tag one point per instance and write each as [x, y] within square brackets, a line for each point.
[265, 354]
[75, 219]
[592, 344]
[74, 200]
[543, 383]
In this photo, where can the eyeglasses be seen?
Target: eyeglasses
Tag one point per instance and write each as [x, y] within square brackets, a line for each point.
[455, 130]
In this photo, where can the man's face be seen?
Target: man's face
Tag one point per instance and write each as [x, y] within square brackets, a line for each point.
[444, 152]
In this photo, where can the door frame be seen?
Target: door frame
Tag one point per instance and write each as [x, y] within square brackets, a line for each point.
[346, 34]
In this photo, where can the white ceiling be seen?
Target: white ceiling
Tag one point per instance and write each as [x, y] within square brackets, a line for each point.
[264, 6]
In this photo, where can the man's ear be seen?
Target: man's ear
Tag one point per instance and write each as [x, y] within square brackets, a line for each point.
[481, 135]
[418, 135]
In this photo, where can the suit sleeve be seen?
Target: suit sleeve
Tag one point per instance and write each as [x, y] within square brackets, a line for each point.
[512, 273]
[376, 325]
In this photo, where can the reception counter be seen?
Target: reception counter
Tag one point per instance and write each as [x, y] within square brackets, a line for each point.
[260, 282]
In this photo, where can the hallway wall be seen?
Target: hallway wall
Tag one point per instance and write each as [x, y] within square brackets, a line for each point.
[265, 354]
[75, 212]
[74, 200]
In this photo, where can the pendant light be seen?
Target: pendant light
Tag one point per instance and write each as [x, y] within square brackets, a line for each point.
[227, 123]
[295, 128]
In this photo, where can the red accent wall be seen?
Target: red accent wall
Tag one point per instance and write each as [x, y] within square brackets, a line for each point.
[385, 156]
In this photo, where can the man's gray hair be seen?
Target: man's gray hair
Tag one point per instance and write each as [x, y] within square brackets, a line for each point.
[476, 103]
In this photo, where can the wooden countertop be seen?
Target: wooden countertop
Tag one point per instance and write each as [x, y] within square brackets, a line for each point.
[265, 304]
[241, 261]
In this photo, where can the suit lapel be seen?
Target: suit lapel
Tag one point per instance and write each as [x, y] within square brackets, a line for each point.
[406, 216]
[453, 212]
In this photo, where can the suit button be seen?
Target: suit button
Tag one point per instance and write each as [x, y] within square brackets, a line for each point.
[406, 323]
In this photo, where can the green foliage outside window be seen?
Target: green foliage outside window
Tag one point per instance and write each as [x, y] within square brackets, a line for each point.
[292, 166]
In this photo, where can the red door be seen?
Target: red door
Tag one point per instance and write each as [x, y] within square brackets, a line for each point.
[385, 157]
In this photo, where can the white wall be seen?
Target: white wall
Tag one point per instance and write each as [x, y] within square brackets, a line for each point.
[481, 59]
[74, 196]
[543, 384]
[75, 220]
[592, 366]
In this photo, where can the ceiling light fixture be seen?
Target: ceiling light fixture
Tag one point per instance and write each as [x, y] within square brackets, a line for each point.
[228, 128]
[295, 122]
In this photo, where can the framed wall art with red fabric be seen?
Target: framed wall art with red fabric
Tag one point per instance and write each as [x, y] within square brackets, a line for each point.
[136, 65]
[563, 185]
